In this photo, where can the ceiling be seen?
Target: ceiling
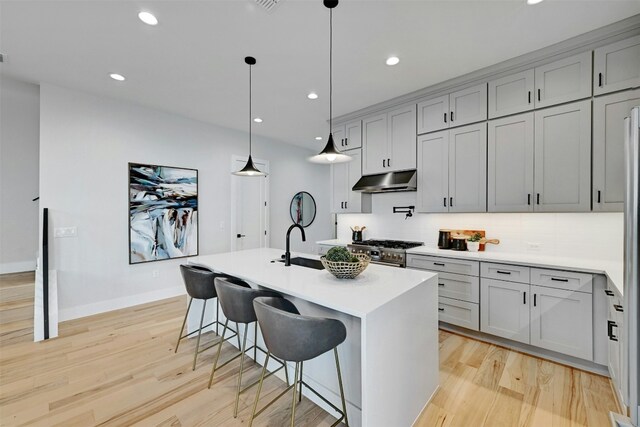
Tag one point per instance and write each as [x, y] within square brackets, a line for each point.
[192, 62]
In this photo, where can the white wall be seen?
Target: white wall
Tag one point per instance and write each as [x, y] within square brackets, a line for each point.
[585, 235]
[19, 139]
[85, 144]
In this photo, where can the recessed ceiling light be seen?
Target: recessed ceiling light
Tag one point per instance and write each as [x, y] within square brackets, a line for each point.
[257, 120]
[393, 60]
[312, 95]
[318, 138]
[116, 76]
[148, 18]
[531, 2]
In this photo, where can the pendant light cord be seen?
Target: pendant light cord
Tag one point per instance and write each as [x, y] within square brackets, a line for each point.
[330, 70]
[249, 110]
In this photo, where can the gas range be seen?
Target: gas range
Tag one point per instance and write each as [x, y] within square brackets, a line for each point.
[388, 252]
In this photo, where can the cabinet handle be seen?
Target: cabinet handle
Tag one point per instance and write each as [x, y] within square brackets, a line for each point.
[342, 142]
[529, 97]
[441, 284]
[345, 205]
[608, 292]
[450, 201]
[503, 272]
[445, 202]
[598, 196]
[440, 309]
[445, 117]
[341, 205]
[529, 199]
[438, 263]
[538, 94]
[452, 116]
[524, 297]
[535, 299]
[384, 163]
[559, 280]
[538, 198]
[388, 162]
[610, 325]
[346, 141]
[617, 307]
[600, 79]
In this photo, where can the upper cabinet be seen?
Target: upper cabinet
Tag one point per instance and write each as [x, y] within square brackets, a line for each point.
[608, 148]
[568, 79]
[433, 172]
[343, 177]
[389, 141]
[617, 66]
[348, 136]
[562, 173]
[511, 94]
[456, 109]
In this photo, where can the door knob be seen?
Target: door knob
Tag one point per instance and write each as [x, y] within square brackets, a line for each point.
[240, 236]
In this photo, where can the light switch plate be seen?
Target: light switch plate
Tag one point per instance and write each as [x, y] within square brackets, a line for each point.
[60, 232]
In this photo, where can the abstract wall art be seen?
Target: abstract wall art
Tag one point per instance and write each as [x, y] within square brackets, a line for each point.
[163, 212]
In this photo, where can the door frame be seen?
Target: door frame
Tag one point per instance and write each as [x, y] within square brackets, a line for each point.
[232, 223]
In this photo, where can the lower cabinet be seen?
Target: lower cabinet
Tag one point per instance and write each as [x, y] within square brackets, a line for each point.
[460, 313]
[505, 309]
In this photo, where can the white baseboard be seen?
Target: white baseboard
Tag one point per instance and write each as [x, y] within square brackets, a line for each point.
[118, 303]
[17, 267]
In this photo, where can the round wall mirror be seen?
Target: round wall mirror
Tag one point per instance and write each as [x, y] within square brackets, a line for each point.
[303, 209]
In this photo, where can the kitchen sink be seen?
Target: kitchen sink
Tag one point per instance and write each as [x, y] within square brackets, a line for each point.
[306, 262]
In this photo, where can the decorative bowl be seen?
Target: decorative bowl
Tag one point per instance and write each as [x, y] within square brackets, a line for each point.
[346, 270]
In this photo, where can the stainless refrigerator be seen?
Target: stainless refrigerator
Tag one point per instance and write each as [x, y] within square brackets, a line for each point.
[631, 258]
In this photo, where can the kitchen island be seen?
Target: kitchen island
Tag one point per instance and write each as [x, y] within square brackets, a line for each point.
[390, 358]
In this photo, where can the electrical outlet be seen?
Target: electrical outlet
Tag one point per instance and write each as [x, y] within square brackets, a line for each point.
[60, 232]
[155, 273]
[221, 225]
[533, 246]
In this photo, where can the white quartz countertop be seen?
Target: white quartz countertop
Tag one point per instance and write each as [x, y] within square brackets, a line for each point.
[373, 288]
[612, 269]
[333, 242]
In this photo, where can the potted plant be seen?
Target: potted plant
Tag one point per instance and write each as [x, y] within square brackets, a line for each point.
[473, 243]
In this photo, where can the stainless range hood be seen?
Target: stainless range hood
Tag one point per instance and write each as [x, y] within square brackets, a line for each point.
[387, 182]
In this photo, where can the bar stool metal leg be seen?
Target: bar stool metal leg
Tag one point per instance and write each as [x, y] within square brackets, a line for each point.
[238, 332]
[301, 381]
[184, 322]
[293, 403]
[242, 354]
[255, 402]
[255, 342]
[195, 354]
[215, 362]
[344, 404]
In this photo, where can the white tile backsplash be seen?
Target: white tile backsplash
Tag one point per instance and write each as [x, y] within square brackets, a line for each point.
[586, 235]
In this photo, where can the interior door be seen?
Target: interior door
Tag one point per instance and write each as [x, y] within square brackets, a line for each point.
[433, 172]
[468, 168]
[249, 208]
[374, 144]
[504, 310]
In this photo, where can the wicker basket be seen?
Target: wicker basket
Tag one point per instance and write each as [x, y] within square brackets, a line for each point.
[346, 270]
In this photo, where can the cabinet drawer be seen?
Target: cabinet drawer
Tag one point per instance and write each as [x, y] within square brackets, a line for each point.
[512, 273]
[562, 279]
[459, 286]
[446, 265]
[460, 313]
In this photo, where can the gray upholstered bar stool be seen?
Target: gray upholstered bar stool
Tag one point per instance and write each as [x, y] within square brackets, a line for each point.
[199, 282]
[296, 338]
[237, 306]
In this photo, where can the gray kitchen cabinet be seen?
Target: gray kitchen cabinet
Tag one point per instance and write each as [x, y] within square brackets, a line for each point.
[343, 177]
[510, 164]
[338, 133]
[617, 66]
[348, 136]
[562, 156]
[433, 114]
[511, 94]
[608, 148]
[504, 309]
[468, 105]
[617, 361]
[561, 321]
[468, 168]
[433, 172]
[459, 313]
[389, 141]
[565, 80]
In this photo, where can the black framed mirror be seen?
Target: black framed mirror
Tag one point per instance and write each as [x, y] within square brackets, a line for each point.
[303, 209]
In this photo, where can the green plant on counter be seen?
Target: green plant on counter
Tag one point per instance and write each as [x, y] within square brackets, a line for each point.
[476, 237]
[340, 254]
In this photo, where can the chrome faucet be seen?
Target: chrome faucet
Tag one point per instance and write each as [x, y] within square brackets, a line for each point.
[287, 254]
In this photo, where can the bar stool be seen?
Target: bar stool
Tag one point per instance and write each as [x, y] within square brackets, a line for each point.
[199, 282]
[296, 338]
[237, 306]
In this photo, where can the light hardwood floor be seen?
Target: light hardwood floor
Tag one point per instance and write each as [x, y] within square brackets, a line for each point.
[119, 368]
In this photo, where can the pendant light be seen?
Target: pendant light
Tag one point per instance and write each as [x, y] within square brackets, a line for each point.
[250, 168]
[330, 154]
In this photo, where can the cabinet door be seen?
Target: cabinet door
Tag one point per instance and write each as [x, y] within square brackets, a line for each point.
[617, 66]
[354, 172]
[353, 135]
[510, 164]
[562, 321]
[402, 139]
[562, 176]
[504, 309]
[433, 172]
[468, 105]
[339, 179]
[338, 137]
[433, 114]
[374, 144]
[565, 80]
[511, 94]
[468, 169]
[608, 148]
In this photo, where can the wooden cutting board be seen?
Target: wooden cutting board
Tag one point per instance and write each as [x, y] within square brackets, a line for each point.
[470, 233]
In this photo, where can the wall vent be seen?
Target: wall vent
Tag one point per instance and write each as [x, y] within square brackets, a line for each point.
[269, 5]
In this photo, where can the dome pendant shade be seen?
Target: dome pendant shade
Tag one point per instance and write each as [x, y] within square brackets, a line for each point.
[330, 154]
[249, 169]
